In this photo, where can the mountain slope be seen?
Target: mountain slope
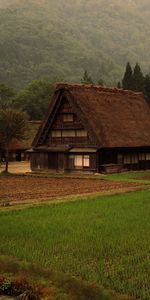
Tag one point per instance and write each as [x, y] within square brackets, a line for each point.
[59, 39]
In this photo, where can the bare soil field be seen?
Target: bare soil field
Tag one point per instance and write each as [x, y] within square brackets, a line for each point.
[17, 189]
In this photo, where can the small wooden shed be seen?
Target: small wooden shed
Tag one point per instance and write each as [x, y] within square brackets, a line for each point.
[18, 149]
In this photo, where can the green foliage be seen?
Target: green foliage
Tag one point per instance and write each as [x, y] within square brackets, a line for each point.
[103, 240]
[6, 95]
[127, 81]
[86, 79]
[60, 39]
[147, 88]
[34, 99]
[135, 80]
[5, 287]
[138, 79]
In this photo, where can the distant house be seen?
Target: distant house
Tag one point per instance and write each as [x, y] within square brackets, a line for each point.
[18, 150]
[94, 129]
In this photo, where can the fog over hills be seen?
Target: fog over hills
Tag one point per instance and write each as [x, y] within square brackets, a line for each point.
[60, 39]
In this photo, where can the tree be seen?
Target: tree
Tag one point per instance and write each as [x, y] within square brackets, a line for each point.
[6, 95]
[13, 125]
[138, 79]
[127, 81]
[119, 85]
[147, 88]
[86, 79]
[35, 98]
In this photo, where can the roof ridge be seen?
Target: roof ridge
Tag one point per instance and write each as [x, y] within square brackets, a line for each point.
[96, 87]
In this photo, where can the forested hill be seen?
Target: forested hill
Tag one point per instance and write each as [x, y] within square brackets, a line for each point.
[59, 39]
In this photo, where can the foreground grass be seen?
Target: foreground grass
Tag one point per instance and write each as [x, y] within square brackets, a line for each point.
[103, 240]
[142, 176]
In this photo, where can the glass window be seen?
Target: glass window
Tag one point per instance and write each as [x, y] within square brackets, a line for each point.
[127, 159]
[81, 133]
[86, 161]
[142, 156]
[147, 156]
[68, 133]
[68, 117]
[78, 162]
[56, 133]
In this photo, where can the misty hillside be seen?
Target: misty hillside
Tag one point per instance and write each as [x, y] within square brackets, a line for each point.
[60, 39]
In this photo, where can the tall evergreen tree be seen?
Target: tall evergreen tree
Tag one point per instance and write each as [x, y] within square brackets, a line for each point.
[147, 88]
[119, 85]
[138, 79]
[127, 81]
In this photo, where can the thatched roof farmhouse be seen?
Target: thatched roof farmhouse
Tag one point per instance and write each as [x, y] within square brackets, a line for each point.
[93, 128]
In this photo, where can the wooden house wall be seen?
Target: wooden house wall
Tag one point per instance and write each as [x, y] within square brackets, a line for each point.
[70, 166]
[47, 161]
[128, 158]
[39, 161]
[60, 125]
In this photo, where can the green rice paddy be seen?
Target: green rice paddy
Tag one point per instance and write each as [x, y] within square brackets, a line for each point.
[105, 240]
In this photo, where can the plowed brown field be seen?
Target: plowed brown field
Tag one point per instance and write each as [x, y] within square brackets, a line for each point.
[26, 189]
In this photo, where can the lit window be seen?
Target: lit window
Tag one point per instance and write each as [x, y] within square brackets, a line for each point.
[86, 161]
[78, 161]
[68, 118]
[147, 156]
[82, 161]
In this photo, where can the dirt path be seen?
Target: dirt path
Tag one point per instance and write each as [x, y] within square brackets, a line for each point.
[17, 167]
[6, 298]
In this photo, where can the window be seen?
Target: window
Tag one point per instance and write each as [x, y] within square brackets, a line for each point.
[147, 156]
[68, 133]
[142, 156]
[81, 133]
[86, 161]
[81, 161]
[78, 162]
[131, 159]
[68, 117]
[127, 159]
[56, 133]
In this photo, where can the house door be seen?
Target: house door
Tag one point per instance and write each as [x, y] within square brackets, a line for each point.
[53, 161]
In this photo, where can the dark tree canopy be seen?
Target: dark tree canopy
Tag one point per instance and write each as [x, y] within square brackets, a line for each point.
[35, 98]
[127, 81]
[138, 79]
[6, 95]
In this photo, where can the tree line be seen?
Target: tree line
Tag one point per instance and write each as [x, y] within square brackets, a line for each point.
[35, 97]
[134, 80]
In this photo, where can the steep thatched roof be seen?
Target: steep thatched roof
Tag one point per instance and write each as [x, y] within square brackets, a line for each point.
[117, 117]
